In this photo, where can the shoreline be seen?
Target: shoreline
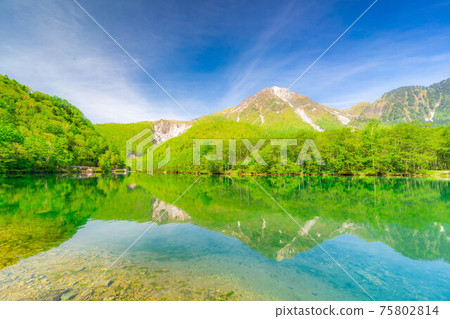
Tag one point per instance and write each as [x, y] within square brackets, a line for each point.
[445, 175]
[437, 174]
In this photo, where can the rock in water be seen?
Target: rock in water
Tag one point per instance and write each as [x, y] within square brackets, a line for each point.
[68, 296]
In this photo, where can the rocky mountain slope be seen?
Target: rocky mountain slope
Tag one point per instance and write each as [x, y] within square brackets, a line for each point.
[411, 103]
[279, 108]
[164, 130]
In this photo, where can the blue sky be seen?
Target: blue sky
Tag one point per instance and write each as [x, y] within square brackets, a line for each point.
[210, 55]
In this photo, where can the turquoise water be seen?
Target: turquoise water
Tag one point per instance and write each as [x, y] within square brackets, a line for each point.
[225, 239]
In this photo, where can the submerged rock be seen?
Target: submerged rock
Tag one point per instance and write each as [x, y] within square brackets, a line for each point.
[68, 296]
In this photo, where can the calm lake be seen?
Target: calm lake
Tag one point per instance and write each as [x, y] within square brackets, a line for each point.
[224, 239]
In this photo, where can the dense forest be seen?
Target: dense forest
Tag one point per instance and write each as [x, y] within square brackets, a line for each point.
[42, 133]
[117, 134]
[406, 148]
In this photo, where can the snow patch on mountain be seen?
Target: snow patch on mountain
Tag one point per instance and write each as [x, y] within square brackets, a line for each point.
[344, 120]
[281, 92]
[307, 119]
[163, 212]
[286, 93]
[307, 227]
[430, 119]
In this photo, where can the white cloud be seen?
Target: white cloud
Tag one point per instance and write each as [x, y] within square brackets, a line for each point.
[60, 52]
[53, 47]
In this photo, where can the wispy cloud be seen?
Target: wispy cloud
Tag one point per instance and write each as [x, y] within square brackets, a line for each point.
[257, 66]
[211, 55]
[63, 54]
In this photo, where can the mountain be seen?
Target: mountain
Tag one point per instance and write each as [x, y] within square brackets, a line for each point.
[411, 103]
[39, 132]
[279, 108]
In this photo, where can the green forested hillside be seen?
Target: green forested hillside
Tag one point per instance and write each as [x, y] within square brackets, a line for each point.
[41, 133]
[442, 114]
[118, 134]
[406, 148]
[376, 149]
[411, 103]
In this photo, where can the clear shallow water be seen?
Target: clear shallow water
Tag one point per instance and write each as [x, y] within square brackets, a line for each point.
[224, 239]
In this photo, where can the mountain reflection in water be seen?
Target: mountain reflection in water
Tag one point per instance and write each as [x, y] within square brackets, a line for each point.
[381, 229]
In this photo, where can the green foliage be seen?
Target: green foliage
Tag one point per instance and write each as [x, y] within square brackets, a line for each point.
[117, 134]
[42, 133]
[407, 148]
[110, 160]
[411, 103]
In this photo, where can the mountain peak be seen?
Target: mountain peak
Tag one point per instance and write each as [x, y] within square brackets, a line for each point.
[279, 92]
[278, 107]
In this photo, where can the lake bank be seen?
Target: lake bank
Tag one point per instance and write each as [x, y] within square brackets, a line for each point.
[438, 174]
